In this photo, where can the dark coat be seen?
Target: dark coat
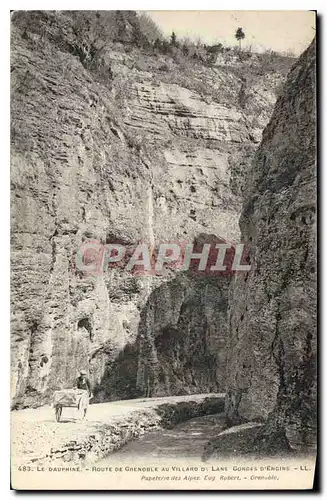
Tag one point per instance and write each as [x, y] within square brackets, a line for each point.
[84, 384]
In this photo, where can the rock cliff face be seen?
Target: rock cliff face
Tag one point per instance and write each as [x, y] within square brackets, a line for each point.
[271, 374]
[144, 147]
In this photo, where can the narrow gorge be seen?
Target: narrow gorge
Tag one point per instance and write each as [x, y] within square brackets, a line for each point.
[133, 143]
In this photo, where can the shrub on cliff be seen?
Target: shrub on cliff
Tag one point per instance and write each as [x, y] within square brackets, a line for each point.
[149, 28]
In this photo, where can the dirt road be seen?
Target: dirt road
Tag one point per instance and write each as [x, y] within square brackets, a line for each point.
[38, 438]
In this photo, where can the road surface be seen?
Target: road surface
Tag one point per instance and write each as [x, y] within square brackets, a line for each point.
[38, 438]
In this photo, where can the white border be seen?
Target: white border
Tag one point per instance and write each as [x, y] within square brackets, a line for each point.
[5, 174]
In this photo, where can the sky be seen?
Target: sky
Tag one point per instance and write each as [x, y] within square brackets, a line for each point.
[277, 30]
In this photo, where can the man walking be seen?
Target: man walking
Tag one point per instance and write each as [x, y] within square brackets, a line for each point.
[83, 382]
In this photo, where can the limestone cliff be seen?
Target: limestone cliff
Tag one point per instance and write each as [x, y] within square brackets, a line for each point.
[135, 145]
[271, 365]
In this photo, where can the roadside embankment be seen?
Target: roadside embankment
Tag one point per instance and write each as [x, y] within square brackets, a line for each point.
[39, 439]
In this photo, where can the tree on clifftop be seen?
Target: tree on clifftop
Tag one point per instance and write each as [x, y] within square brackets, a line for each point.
[240, 35]
[173, 39]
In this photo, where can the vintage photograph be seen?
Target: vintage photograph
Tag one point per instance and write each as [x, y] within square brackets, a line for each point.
[163, 250]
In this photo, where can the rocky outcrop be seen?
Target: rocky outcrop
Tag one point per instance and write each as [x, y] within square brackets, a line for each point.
[180, 344]
[271, 374]
[121, 150]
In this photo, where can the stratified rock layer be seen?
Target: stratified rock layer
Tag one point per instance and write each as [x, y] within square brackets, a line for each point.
[271, 365]
[123, 152]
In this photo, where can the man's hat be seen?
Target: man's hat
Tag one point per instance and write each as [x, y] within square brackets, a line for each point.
[82, 372]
